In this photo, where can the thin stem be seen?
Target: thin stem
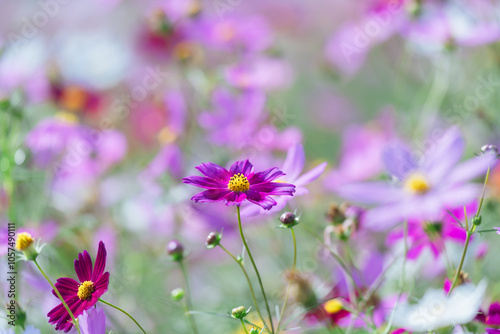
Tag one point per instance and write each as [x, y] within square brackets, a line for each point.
[60, 297]
[252, 292]
[457, 275]
[289, 282]
[401, 279]
[244, 327]
[188, 297]
[255, 268]
[128, 315]
[484, 192]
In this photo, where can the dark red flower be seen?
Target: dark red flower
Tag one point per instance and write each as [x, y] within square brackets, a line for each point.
[80, 296]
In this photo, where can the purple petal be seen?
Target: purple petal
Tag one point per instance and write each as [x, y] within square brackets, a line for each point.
[471, 169]
[443, 155]
[263, 201]
[398, 160]
[312, 175]
[274, 188]
[371, 192]
[212, 195]
[294, 162]
[100, 262]
[83, 267]
[67, 287]
[204, 182]
[214, 172]
[266, 176]
[243, 167]
[235, 198]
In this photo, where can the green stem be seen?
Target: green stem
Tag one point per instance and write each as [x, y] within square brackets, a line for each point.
[252, 292]
[255, 268]
[60, 297]
[128, 315]
[244, 327]
[289, 282]
[188, 297]
[457, 275]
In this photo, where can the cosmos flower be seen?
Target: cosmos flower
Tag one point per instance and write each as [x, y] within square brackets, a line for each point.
[422, 188]
[238, 184]
[92, 321]
[492, 317]
[436, 309]
[293, 167]
[80, 296]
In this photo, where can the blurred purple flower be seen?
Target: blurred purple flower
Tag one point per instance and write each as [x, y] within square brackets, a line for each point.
[424, 188]
[260, 73]
[238, 184]
[433, 234]
[92, 321]
[293, 166]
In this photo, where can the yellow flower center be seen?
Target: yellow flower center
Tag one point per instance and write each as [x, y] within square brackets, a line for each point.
[74, 98]
[238, 182]
[24, 240]
[166, 136]
[417, 183]
[85, 290]
[333, 306]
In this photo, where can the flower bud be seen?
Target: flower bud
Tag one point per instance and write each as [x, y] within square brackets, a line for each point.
[239, 312]
[288, 218]
[213, 240]
[176, 250]
[177, 294]
[477, 220]
[489, 149]
[254, 331]
[25, 244]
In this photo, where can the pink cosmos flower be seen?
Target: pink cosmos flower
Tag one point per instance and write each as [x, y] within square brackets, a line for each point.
[238, 184]
[422, 188]
[80, 296]
[92, 321]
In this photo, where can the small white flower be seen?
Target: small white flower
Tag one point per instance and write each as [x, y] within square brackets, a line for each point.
[436, 310]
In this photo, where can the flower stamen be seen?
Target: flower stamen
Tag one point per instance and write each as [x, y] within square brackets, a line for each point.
[85, 290]
[238, 183]
[333, 306]
[417, 183]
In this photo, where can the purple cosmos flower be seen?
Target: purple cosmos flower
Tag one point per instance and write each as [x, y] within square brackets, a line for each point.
[92, 321]
[238, 184]
[424, 187]
[498, 229]
[80, 296]
[293, 166]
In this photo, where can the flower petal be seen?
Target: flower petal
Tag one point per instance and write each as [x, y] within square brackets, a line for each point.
[67, 287]
[265, 176]
[472, 168]
[294, 162]
[204, 182]
[398, 160]
[100, 262]
[274, 188]
[371, 192]
[312, 175]
[83, 267]
[212, 195]
[243, 167]
[214, 172]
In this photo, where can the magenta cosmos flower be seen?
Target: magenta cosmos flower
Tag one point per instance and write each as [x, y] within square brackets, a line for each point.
[239, 183]
[80, 296]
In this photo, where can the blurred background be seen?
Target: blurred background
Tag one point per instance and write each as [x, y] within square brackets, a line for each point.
[106, 104]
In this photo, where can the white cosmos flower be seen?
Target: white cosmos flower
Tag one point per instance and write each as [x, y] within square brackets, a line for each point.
[436, 310]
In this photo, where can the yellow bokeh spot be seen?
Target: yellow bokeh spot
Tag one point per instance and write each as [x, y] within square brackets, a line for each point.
[67, 117]
[166, 136]
[24, 240]
[333, 306]
[85, 290]
[417, 183]
[239, 183]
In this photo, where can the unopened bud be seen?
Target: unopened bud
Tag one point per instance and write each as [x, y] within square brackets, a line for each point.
[239, 312]
[489, 149]
[177, 294]
[287, 218]
[176, 250]
[477, 220]
[213, 240]
[254, 331]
